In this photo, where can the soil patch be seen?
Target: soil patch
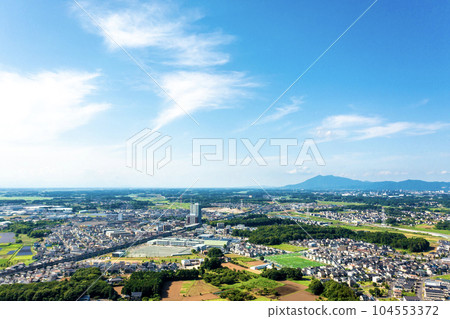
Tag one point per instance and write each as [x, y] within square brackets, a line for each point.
[292, 291]
[237, 267]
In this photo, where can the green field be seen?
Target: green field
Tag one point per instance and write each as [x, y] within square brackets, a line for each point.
[255, 283]
[12, 259]
[304, 282]
[444, 277]
[288, 247]
[294, 260]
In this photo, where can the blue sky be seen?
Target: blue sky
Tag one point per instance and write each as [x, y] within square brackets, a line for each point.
[376, 103]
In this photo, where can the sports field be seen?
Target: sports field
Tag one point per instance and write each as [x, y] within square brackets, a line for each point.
[293, 260]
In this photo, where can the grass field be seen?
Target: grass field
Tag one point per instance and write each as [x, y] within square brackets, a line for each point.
[255, 283]
[304, 282]
[288, 247]
[445, 277]
[294, 260]
[7, 260]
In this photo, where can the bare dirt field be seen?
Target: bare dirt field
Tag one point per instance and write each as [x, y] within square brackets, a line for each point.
[237, 267]
[198, 292]
[118, 289]
[292, 291]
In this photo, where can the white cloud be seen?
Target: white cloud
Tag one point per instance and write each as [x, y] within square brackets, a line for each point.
[356, 127]
[283, 111]
[391, 129]
[299, 169]
[344, 121]
[421, 103]
[163, 27]
[339, 126]
[195, 91]
[39, 107]
[172, 35]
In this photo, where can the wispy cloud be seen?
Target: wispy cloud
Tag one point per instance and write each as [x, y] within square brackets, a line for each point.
[200, 91]
[421, 103]
[281, 112]
[390, 129]
[163, 27]
[340, 126]
[357, 127]
[38, 107]
[171, 35]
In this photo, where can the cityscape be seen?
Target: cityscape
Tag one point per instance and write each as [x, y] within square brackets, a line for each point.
[216, 244]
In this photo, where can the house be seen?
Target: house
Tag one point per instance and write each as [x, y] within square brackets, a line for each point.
[136, 295]
[411, 298]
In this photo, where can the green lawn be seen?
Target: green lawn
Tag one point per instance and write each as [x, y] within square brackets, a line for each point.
[294, 260]
[445, 277]
[304, 282]
[288, 247]
[410, 294]
[262, 299]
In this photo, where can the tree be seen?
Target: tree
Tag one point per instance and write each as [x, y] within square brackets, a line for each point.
[215, 252]
[316, 287]
[212, 263]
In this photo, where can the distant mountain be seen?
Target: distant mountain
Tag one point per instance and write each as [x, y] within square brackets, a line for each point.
[335, 183]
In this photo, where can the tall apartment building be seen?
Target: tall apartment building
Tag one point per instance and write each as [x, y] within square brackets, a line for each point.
[195, 215]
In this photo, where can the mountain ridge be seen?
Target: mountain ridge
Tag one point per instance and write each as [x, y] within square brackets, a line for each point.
[331, 182]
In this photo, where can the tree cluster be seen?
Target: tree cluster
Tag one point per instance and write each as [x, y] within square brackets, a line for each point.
[277, 234]
[283, 274]
[215, 252]
[443, 225]
[61, 290]
[225, 276]
[332, 290]
[150, 283]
